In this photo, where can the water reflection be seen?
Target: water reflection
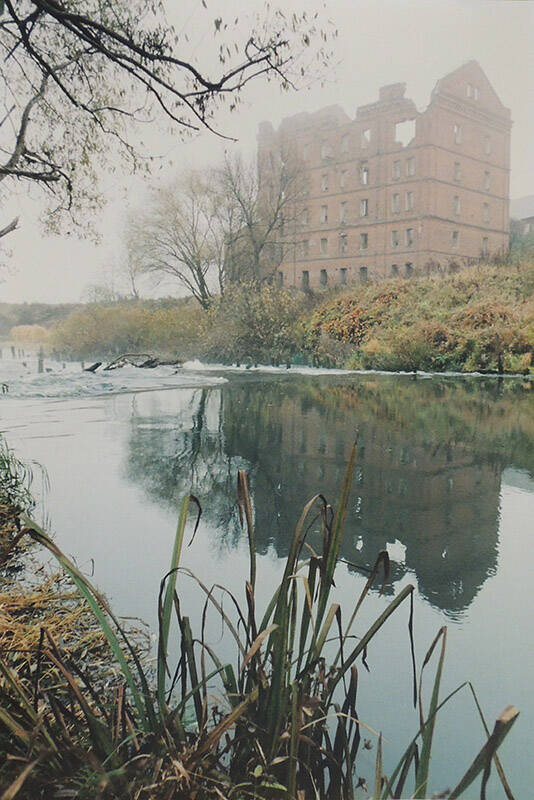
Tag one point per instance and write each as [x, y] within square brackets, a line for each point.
[427, 482]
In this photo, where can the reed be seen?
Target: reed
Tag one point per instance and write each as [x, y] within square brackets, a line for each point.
[280, 721]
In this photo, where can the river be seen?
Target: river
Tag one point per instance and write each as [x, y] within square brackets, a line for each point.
[444, 481]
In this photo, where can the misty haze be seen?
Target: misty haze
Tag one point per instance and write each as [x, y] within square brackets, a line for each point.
[266, 364]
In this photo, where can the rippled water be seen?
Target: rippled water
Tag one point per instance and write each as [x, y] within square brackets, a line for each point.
[444, 481]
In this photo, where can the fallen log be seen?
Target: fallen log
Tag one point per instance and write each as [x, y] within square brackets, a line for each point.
[93, 367]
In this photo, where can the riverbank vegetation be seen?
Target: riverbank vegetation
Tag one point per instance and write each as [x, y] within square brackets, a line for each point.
[479, 319]
[278, 720]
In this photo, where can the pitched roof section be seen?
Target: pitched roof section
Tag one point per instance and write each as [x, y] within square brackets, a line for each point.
[471, 74]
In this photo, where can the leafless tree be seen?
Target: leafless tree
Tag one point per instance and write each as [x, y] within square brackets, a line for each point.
[262, 209]
[178, 235]
[77, 76]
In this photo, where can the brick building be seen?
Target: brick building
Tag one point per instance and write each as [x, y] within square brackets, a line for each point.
[396, 190]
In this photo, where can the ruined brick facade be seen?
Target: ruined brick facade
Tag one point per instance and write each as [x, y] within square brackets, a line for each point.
[395, 191]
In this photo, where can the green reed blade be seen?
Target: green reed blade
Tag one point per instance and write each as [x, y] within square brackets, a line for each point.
[421, 779]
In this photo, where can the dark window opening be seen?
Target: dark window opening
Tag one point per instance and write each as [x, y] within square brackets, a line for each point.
[409, 269]
[323, 277]
[343, 276]
[363, 274]
[305, 279]
[280, 280]
[394, 269]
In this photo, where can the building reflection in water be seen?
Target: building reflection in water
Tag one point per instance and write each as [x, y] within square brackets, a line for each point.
[427, 481]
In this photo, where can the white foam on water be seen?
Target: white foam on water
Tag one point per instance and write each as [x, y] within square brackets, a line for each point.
[19, 379]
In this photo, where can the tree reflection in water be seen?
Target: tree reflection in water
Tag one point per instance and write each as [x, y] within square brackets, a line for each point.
[428, 477]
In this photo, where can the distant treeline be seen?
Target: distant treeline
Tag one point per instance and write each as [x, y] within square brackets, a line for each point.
[480, 319]
[44, 314]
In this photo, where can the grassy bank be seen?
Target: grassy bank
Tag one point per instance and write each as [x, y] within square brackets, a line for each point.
[481, 319]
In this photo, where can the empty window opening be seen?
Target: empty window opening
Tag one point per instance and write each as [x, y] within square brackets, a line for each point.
[395, 203]
[343, 276]
[456, 204]
[485, 213]
[476, 93]
[410, 167]
[485, 248]
[366, 138]
[455, 238]
[304, 217]
[408, 268]
[324, 214]
[396, 170]
[394, 238]
[305, 248]
[457, 171]
[345, 144]
[324, 182]
[324, 246]
[457, 130]
[364, 174]
[487, 145]
[343, 178]
[405, 132]
[326, 150]
[487, 181]
[323, 277]
[470, 92]
[363, 274]
[364, 207]
[305, 279]
[343, 243]
[409, 237]
[409, 201]
[364, 241]
[343, 212]
[280, 279]
[394, 270]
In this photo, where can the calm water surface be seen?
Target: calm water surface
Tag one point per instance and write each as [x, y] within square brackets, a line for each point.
[444, 481]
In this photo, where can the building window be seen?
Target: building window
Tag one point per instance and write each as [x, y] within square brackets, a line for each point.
[305, 279]
[364, 241]
[395, 203]
[304, 217]
[343, 241]
[343, 212]
[476, 93]
[363, 274]
[456, 205]
[469, 90]
[485, 213]
[457, 133]
[457, 171]
[394, 270]
[305, 248]
[394, 238]
[324, 182]
[366, 138]
[324, 246]
[343, 178]
[408, 268]
[343, 276]
[410, 167]
[345, 144]
[487, 145]
[364, 174]
[409, 201]
[324, 214]
[280, 279]
[485, 248]
[323, 277]
[396, 170]
[487, 181]
[326, 150]
[455, 239]
[364, 207]
[409, 237]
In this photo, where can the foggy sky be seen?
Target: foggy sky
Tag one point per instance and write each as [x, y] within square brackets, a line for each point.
[378, 43]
